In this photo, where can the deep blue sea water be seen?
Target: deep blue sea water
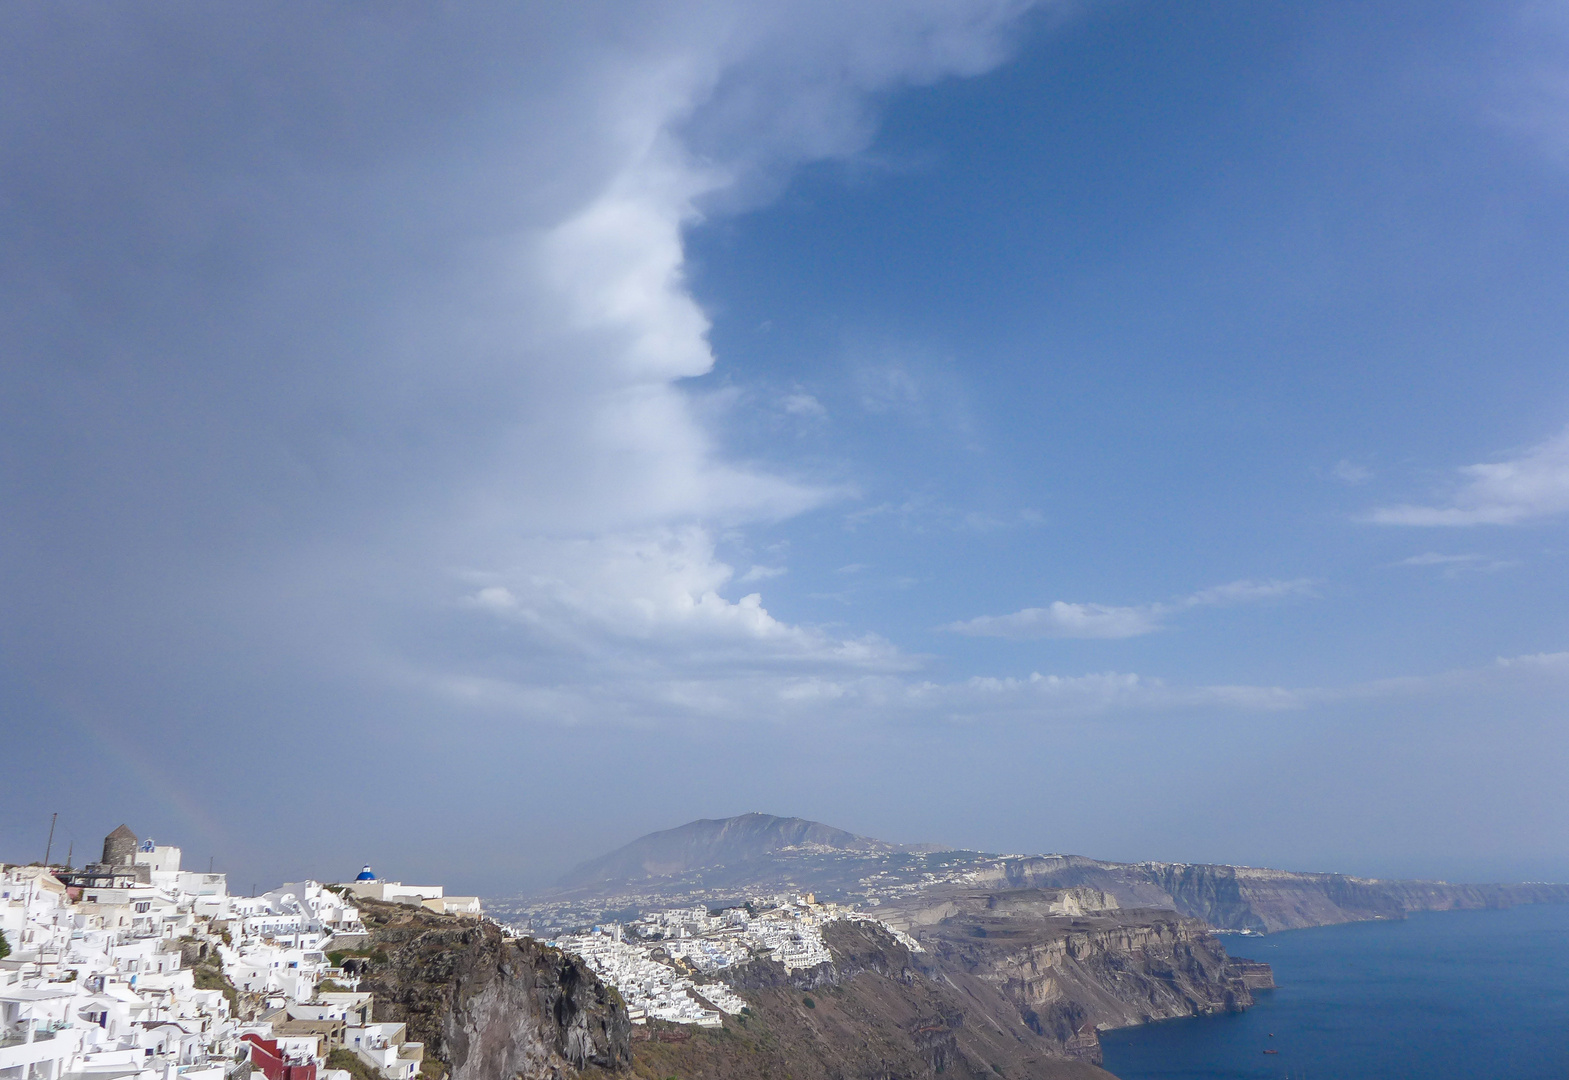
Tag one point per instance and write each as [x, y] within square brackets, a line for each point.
[1439, 996]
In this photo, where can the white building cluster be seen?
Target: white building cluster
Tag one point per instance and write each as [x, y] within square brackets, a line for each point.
[651, 961]
[111, 972]
[651, 990]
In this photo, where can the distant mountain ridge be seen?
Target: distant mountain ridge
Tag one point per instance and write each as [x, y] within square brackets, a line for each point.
[711, 842]
[727, 857]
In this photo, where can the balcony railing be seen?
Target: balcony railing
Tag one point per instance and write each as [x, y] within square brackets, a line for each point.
[17, 1038]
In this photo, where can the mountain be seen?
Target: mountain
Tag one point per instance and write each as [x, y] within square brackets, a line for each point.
[758, 854]
[725, 842]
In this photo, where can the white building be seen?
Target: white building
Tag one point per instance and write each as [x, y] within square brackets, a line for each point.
[96, 986]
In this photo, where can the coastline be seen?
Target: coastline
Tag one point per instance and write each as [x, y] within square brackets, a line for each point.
[1432, 996]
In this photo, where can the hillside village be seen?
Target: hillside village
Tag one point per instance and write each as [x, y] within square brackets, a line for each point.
[133, 967]
[656, 961]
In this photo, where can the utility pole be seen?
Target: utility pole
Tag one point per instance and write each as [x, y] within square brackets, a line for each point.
[49, 847]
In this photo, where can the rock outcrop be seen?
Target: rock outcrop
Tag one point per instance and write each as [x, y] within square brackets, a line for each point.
[1254, 899]
[1072, 975]
[1008, 984]
[1255, 974]
[877, 1011]
[489, 1007]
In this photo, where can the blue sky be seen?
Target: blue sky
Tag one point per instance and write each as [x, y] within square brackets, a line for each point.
[1161, 305]
[1125, 428]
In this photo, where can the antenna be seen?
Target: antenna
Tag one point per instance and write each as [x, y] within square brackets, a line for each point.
[49, 847]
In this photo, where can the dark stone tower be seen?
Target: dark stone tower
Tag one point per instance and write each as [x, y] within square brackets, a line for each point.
[120, 847]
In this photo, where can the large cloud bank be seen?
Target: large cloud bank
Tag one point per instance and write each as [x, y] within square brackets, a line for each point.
[346, 345]
[346, 333]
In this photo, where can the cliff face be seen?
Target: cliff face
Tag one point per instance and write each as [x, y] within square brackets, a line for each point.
[1244, 898]
[1008, 985]
[1071, 975]
[876, 1012]
[489, 1008]
[1247, 898]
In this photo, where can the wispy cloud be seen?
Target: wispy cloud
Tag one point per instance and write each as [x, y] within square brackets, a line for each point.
[1521, 489]
[1454, 565]
[869, 687]
[1349, 472]
[804, 405]
[889, 388]
[1533, 88]
[1247, 592]
[1061, 619]
[921, 513]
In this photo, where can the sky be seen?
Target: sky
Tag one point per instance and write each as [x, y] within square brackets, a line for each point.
[464, 438]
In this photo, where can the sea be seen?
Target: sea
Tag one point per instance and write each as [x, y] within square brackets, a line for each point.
[1455, 995]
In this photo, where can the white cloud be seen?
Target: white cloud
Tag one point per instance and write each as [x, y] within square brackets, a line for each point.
[1063, 620]
[659, 594]
[1247, 592]
[1433, 558]
[1531, 486]
[1555, 663]
[803, 404]
[1067, 620]
[444, 323]
[1454, 565]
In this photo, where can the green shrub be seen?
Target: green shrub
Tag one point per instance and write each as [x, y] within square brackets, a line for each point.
[350, 1062]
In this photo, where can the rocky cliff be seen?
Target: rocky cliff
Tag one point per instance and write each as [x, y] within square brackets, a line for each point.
[876, 1012]
[1009, 984]
[1072, 973]
[1006, 985]
[487, 1007]
[1260, 900]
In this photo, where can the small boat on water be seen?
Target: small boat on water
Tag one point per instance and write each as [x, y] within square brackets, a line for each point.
[1271, 1051]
